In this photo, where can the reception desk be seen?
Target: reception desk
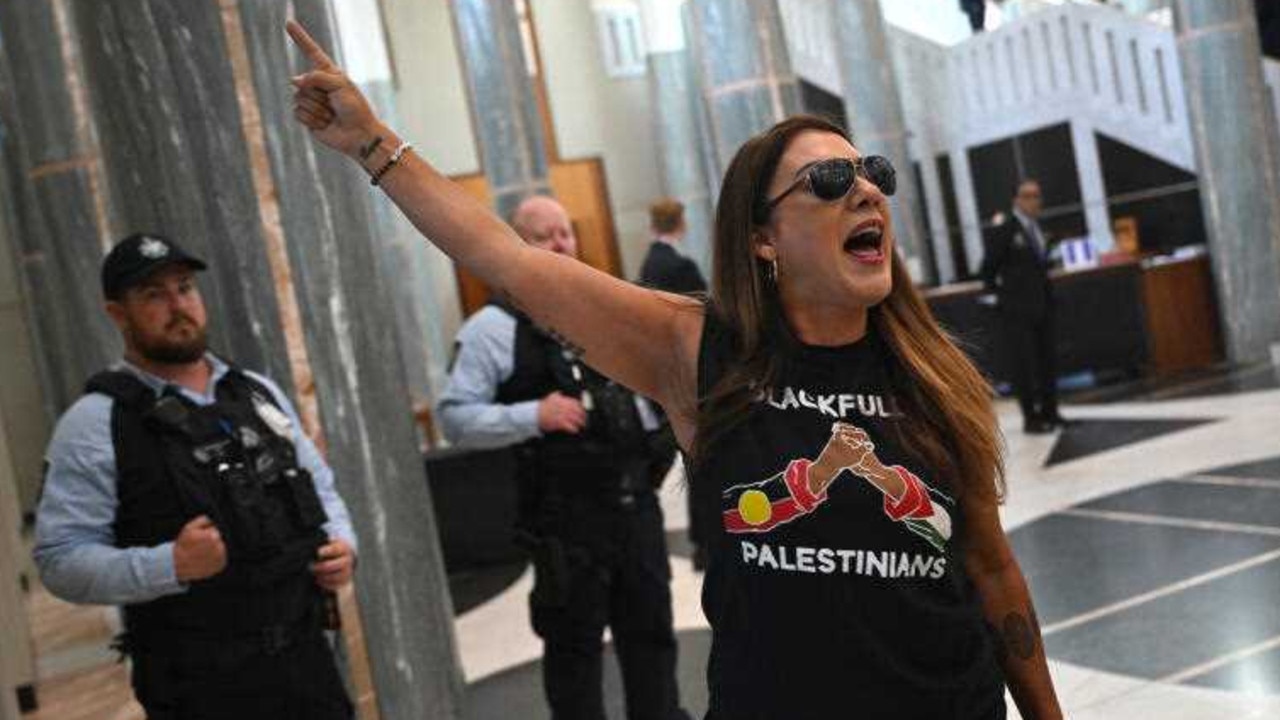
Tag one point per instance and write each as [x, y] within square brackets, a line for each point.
[1157, 316]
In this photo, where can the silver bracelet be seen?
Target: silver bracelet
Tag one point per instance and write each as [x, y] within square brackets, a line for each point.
[396, 156]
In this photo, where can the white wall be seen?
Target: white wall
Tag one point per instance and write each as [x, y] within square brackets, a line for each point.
[1145, 7]
[431, 101]
[431, 88]
[595, 115]
[938, 20]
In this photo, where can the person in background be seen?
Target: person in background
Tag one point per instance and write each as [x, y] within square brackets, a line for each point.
[1015, 272]
[588, 511]
[665, 268]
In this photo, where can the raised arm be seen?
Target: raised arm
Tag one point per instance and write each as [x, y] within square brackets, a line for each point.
[641, 338]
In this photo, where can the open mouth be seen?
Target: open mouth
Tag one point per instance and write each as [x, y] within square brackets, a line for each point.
[866, 243]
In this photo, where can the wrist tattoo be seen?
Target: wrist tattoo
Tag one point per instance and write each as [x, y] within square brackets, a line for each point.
[368, 148]
[515, 302]
[569, 347]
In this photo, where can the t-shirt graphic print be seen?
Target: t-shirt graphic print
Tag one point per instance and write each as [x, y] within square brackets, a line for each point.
[837, 585]
[796, 492]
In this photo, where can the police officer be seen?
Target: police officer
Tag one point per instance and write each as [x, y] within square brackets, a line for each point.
[589, 512]
[183, 488]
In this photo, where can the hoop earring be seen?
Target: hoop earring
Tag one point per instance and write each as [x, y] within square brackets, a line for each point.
[773, 270]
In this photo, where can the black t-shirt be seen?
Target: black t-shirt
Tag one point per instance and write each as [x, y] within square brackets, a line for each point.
[851, 604]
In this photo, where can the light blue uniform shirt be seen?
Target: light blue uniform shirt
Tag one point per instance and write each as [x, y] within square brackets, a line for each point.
[485, 359]
[75, 539]
[469, 416]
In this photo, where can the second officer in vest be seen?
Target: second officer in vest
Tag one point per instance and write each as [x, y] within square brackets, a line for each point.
[184, 489]
[589, 513]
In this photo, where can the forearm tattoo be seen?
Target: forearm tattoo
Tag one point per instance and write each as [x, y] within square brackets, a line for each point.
[1020, 635]
[576, 350]
[369, 147]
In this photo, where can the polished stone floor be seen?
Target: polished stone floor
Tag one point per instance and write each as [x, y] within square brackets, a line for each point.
[1149, 532]
[80, 678]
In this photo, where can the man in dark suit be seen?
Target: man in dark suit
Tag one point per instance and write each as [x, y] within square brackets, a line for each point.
[1015, 269]
[664, 267]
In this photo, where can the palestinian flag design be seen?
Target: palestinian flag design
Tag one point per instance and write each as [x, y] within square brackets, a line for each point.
[917, 511]
[763, 506]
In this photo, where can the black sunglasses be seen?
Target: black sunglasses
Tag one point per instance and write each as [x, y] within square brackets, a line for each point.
[833, 179]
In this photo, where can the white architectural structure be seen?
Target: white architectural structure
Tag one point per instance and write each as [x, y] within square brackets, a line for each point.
[1094, 68]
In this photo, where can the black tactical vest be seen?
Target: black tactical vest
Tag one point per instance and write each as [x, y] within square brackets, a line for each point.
[176, 461]
[612, 452]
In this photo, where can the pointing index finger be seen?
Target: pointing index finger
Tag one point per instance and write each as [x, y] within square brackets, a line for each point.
[320, 60]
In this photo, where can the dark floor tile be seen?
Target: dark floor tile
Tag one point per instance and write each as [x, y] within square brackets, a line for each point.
[1269, 468]
[1220, 380]
[473, 588]
[1089, 437]
[1078, 564]
[1221, 503]
[517, 692]
[1249, 380]
[1257, 675]
[1178, 631]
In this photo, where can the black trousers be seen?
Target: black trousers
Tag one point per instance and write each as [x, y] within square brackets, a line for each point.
[299, 682]
[1031, 352]
[615, 575]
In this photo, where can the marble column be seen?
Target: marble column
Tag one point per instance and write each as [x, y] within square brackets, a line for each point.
[967, 202]
[1093, 189]
[436, 116]
[9, 706]
[22, 396]
[1239, 177]
[59, 216]
[17, 662]
[507, 122]
[672, 87]
[744, 71]
[876, 118]
[939, 239]
[175, 160]
[357, 363]
[405, 257]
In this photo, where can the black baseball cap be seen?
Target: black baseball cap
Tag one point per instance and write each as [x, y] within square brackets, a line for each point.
[136, 257]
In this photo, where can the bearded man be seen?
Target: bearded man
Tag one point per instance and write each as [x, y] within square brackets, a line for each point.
[182, 488]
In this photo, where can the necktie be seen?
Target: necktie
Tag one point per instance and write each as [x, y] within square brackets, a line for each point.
[1037, 242]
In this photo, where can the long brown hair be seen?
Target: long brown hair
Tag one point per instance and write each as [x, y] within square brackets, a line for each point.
[948, 421]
